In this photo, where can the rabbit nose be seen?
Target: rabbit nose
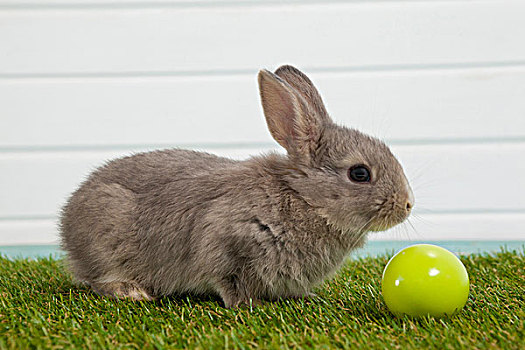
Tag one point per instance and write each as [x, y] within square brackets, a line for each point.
[410, 199]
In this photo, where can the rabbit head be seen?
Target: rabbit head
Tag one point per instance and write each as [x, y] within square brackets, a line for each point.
[351, 179]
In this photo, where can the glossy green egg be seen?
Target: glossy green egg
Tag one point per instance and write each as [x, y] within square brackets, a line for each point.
[425, 279]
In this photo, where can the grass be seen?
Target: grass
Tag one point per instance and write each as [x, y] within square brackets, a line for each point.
[40, 307]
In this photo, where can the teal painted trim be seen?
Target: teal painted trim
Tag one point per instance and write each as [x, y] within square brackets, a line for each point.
[376, 248]
[373, 248]
[30, 251]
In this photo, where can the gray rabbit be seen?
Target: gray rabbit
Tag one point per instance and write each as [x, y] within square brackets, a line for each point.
[273, 226]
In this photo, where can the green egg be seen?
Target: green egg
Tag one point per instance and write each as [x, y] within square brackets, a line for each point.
[425, 279]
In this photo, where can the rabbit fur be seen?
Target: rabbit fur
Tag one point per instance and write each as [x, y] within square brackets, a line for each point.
[272, 226]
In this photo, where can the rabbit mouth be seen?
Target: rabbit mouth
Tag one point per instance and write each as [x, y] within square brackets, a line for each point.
[386, 222]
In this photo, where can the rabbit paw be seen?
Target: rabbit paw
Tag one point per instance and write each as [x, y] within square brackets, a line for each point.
[306, 296]
[122, 290]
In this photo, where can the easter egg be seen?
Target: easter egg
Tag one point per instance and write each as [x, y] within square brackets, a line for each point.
[425, 279]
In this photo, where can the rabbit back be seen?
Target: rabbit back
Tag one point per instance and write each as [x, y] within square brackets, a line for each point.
[134, 216]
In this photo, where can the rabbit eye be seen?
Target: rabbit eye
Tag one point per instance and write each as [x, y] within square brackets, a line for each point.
[359, 173]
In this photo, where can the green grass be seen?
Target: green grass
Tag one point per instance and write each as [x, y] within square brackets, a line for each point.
[40, 307]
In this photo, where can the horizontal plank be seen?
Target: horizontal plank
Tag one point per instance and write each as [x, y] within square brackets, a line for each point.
[353, 34]
[428, 227]
[463, 226]
[31, 5]
[445, 178]
[155, 3]
[442, 104]
[144, 3]
[15, 4]
[13, 232]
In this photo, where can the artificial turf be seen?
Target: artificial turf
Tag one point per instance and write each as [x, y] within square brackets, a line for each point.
[40, 307]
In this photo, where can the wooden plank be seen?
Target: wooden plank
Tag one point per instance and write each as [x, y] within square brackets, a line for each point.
[244, 38]
[445, 178]
[428, 227]
[140, 3]
[467, 227]
[39, 183]
[13, 232]
[67, 4]
[184, 110]
[435, 104]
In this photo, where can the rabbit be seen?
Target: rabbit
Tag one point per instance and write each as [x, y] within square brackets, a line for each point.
[273, 226]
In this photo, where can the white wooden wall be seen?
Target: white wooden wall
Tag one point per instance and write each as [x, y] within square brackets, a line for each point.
[443, 82]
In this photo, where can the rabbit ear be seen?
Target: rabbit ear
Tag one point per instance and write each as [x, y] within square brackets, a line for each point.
[291, 121]
[304, 86]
